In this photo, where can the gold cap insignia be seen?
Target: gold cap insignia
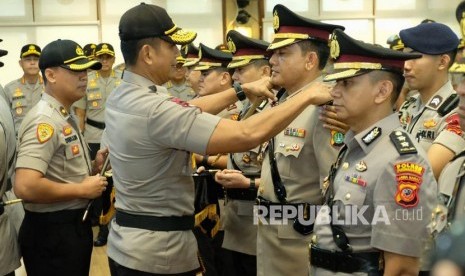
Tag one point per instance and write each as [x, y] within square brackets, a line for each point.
[184, 49]
[44, 132]
[105, 47]
[275, 21]
[231, 45]
[334, 46]
[200, 54]
[32, 47]
[79, 51]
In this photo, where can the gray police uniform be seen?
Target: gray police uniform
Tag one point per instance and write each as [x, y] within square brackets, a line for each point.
[304, 154]
[98, 89]
[9, 251]
[398, 190]
[232, 111]
[50, 144]
[240, 233]
[22, 97]
[181, 91]
[151, 137]
[428, 126]
[451, 195]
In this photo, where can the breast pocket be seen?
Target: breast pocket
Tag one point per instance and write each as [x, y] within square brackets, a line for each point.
[75, 164]
[94, 101]
[350, 195]
[19, 107]
[287, 153]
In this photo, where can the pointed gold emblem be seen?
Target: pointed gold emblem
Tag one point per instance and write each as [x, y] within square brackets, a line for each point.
[334, 46]
[276, 21]
[231, 45]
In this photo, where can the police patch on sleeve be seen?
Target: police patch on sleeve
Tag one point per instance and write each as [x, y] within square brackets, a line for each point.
[44, 132]
[453, 124]
[409, 176]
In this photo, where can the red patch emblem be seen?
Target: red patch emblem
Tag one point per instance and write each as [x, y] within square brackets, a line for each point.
[409, 178]
[453, 124]
[180, 102]
[75, 149]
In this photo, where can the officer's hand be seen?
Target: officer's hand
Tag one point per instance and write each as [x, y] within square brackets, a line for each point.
[330, 121]
[260, 88]
[93, 186]
[99, 160]
[318, 93]
[232, 179]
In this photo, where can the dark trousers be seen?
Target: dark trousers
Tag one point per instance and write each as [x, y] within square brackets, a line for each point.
[56, 243]
[118, 270]
[237, 263]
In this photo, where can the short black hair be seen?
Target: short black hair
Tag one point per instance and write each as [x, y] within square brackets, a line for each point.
[319, 47]
[130, 48]
[396, 79]
[452, 54]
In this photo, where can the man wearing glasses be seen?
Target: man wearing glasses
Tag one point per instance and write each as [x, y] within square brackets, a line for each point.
[22, 94]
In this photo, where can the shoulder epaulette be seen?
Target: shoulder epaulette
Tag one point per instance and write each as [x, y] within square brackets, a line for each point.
[402, 142]
[448, 105]
[458, 156]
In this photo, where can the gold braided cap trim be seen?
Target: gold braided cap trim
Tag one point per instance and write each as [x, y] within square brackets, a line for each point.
[172, 30]
[80, 67]
[249, 57]
[341, 75]
[31, 52]
[282, 43]
[190, 62]
[358, 65]
[74, 59]
[291, 35]
[398, 47]
[202, 66]
[183, 37]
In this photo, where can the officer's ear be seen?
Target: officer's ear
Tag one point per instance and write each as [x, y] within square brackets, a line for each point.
[265, 71]
[225, 78]
[311, 60]
[384, 91]
[51, 75]
[444, 62]
[147, 54]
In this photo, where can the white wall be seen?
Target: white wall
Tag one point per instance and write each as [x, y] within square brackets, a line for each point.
[96, 21]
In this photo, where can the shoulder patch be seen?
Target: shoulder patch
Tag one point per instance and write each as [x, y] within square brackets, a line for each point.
[44, 132]
[453, 124]
[409, 177]
[402, 142]
[448, 105]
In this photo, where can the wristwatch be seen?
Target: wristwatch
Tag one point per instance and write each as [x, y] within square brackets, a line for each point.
[239, 92]
[252, 183]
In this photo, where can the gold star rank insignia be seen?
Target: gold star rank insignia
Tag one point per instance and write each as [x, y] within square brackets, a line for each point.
[44, 132]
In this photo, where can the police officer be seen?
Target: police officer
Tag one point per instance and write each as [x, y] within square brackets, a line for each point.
[242, 177]
[177, 86]
[451, 205]
[54, 171]
[431, 116]
[378, 174]
[191, 53]
[91, 108]
[298, 158]
[89, 50]
[9, 251]
[22, 94]
[152, 135]
[216, 77]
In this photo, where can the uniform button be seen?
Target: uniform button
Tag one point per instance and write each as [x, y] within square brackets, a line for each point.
[314, 240]
[345, 165]
[347, 197]
[261, 190]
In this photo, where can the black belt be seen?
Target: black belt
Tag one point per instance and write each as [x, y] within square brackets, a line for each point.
[57, 217]
[242, 194]
[304, 229]
[336, 261]
[153, 223]
[96, 124]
